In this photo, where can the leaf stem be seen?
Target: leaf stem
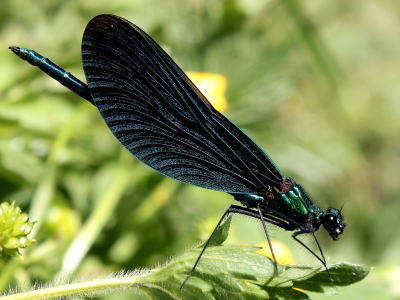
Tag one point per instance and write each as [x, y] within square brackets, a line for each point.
[93, 288]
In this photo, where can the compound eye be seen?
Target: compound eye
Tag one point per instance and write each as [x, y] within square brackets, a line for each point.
[330, 223]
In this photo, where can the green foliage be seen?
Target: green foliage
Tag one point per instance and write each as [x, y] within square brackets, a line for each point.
[228, 272]
[225, 272]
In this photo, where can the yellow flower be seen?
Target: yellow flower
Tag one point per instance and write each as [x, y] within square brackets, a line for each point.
[212, 87]
[282, 253]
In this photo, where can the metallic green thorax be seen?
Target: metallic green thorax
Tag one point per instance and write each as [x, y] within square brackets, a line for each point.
[294, 204]
[297, 205]
[290, 203]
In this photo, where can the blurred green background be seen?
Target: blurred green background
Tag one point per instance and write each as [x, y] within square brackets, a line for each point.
[314, 83]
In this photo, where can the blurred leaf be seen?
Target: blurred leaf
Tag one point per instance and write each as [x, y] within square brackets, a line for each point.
[221, 233]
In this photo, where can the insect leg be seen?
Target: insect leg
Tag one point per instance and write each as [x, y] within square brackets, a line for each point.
[268, 239]
[234, 209]
[322, 260]
[293, 225]
[224, 216]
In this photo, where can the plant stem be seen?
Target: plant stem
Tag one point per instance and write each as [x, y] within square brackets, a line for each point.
[92, 288]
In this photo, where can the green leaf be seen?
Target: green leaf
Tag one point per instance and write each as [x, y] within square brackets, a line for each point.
[343, 274]
[229, 272]
[224, 272]
[220, 234]
[232, 272]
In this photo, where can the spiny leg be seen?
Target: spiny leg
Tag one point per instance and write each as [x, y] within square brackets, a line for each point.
[224, 216]
[320, 250]
[292, 225]
[322, 260]
[234, 209]
[268, 240]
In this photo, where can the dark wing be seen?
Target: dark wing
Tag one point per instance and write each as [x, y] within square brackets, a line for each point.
[158, 114]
